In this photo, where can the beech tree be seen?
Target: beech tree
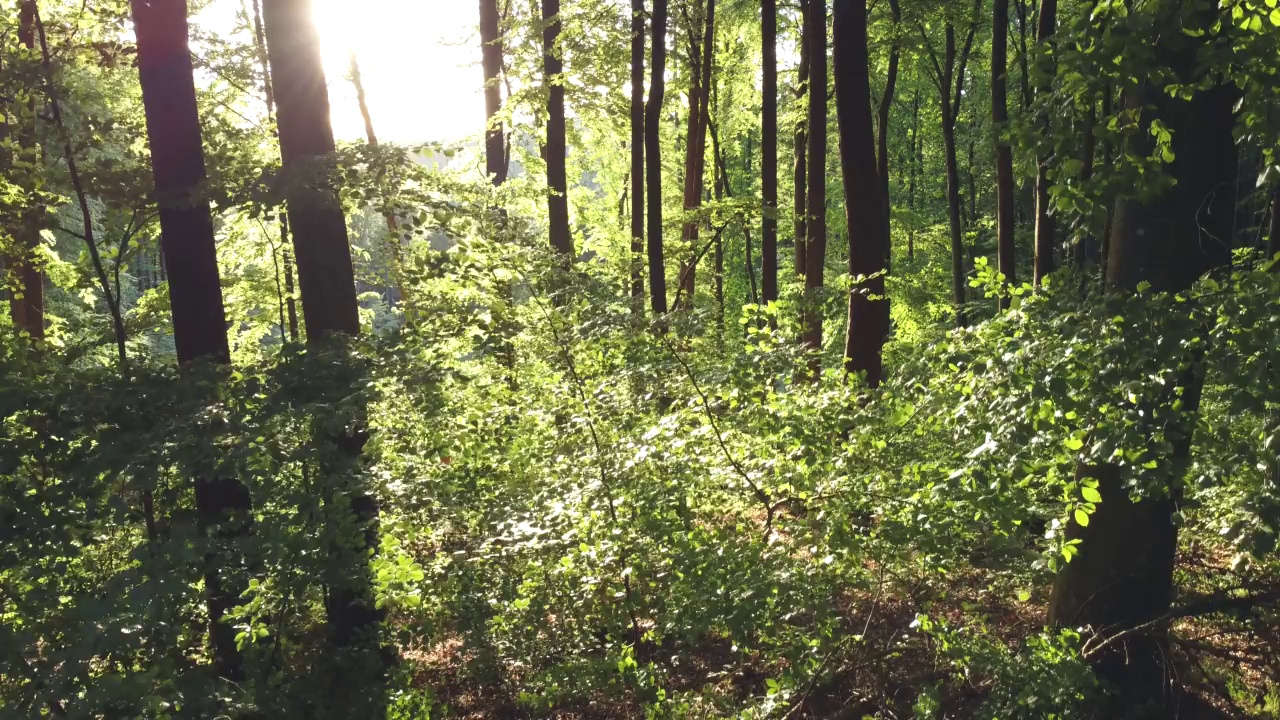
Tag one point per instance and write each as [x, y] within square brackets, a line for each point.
[26, 293]
[1045, 261]
[653, 157]
[497, 158]
[1005, 211]
[800, 202]
[769, 150]
[815, 38]
[557, 181]
[868, 322]
[701, 78]
[195, 293]
[636, 260]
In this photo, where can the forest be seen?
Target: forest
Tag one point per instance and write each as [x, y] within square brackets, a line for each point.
[765, 359]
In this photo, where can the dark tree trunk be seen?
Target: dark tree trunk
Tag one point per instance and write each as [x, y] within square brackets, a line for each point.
[637, 157]
[1005, 220]
[223, 505]
[868, 323]
[769, 152]
[916, 152]
[882, 129]
[1045, 261]
[286, 257]
[557, 181]
[329, 308]
[1273, 240]
[653, 157]
[815, 37]
[495, 141]
[801, 202]
[954, 222]
[700, 59]
[26, 299]
[1122, 576]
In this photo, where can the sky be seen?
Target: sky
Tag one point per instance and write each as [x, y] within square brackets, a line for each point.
[419, 60]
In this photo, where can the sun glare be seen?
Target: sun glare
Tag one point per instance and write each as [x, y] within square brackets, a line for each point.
[417, 62]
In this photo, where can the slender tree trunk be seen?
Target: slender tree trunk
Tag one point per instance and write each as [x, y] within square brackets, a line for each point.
[1005, 220]
[26, 299]
[1045, 262]
[868, 323]
[557, 181]
[696, 147]
[954, 222]
[1021, 7]
[223, 504]
[815, 32]
[637, 157]
[329, 307]
[286, 257]
[495, 142]
[653, 158]
[916, 160]
[1082, 250]
[769, 151]
[882, 129]
[1122, 575]
[1273, 241]
[393, 226]
[971, 174]
[801, 175]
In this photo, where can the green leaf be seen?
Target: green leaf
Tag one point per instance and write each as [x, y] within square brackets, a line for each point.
[1082, 517]
[1091, 494]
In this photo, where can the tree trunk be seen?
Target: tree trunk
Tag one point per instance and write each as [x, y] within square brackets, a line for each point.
[1122, 576]
[1273, 240]
[769, 152]
[635, 262]
[882, 129]
[329, 307]
[696, 148]
[26, 299]
[954, 223]
[801, 202]
[557, 181]
[916, 160]
[495, 141]
[868, 322]
[223, 505]
[815, 35]
[1005, 243]
[286, 257]
[1045, 262]
[653, 157]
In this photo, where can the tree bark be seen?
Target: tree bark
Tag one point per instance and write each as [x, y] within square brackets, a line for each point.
[885, 112]
[696, 147]
[557, 181]
[769, 152]
[1045, 261]
[1273, 239]
[495, 141]
[329, 308]
[815, 35]
[916, 160]
[868, 322]
[1005, 220]
[223, 505]
[801, 172]
[26, 299]
[1122, 575]
[653, 158]
[636, 261]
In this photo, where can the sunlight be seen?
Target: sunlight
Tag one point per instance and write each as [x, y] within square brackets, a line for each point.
[419, 62]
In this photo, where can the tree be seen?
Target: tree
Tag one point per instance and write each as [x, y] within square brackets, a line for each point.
[495, 142]
[1045, 263]
[801, 167]
[815, 38]
[948, 76]
[769, 150]
[26, 297]
[868, 323]
[1005, 220]
[556, 148]
[637, 156]
[701, 78]
[329, 305]
[195, 293]
[653, 157]
[882, 124]
[1167, 237]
